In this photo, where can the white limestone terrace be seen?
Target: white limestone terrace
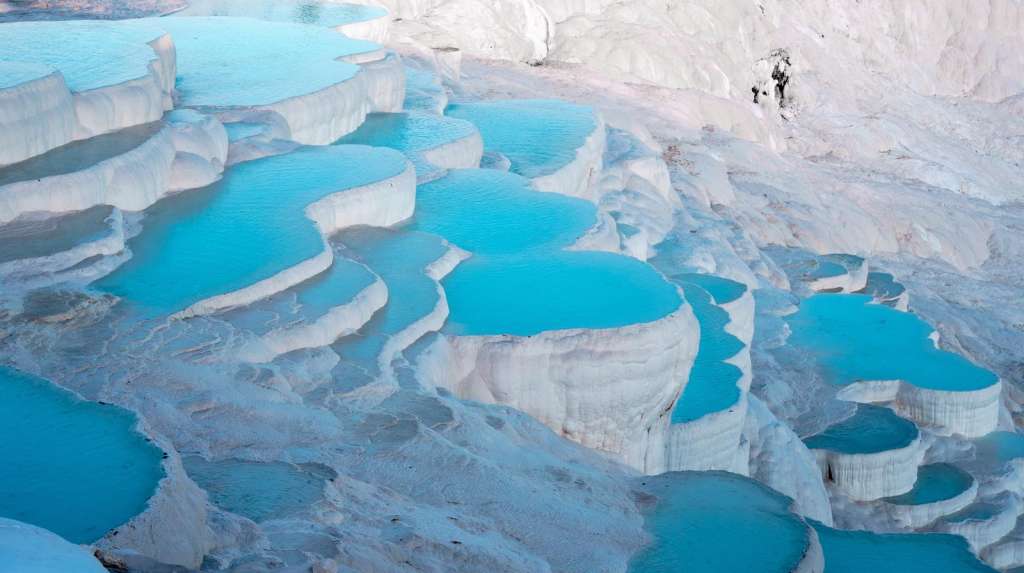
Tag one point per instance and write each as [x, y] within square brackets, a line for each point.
[129, 169]
[808, 272]
[60, 82]
[871, 455]
[30, 549]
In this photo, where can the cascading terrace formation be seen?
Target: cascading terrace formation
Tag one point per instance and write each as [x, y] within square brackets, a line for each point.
[281, 290]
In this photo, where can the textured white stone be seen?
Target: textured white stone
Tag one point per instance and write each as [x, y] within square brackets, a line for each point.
[968, 413]
[30, 549]
[865, 477]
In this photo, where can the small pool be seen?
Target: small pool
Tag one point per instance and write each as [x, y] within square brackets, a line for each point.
[716, 522]
[74, 467]
[24, 239]
[721, 289]
[998, 448]
[856, 340]
[539, 137]
[935, 482]
[259, 490]
[712, 384]
[317, 12]
[556, 290]
[490, 212]
[870, 430]
[245, 228]
[400, 258]
[863, 551]
[883, 286]
[412, 133]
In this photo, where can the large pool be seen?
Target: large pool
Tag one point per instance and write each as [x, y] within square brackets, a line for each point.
[74, 467]
[247, 227]
[856, 340]
[317, 12]
[539, 137]
[555, 290]
[716, 522]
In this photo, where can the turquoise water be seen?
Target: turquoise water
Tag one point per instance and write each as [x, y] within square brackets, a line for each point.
[863, 551]
[882, 286]
[716, 522]
[722, 290]
[243, 229]
[825, 269]
[74, 467]
[538, 136]
[399, 258]
[334, 287]
[258, 490]
[529, 294]
[79, 155]
[855, 340]
[491, 212]
[871, 429]
[997, 448]
[977, 511]
[935, 482]
[317, 12]
[243, 62]
[411, 133]
[712, 384]
[89, 54]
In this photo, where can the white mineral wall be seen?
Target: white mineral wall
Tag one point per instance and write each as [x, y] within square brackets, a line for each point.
[865, 477]
[131, 181]
[36, 117]
[608, 389]
[30, 549]
[968, 413]
[920, 515]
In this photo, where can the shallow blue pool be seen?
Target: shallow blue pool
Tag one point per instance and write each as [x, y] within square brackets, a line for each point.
[555, 290]
[855, 340]
[871, 429]
[935, 482]
[491, 212]
[721, 289]
[716, 522]
[863, 551]
[258, 490]
[243, 229]
[998, 448]
[411, 133]
[399, 257]
[74, 467]
[712, 384]
[539, 137]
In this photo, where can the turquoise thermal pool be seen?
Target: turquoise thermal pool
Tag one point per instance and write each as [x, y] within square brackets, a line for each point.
[554, 291]
[400, 259]
[317, 12]
[31, 239]
[247, 227]
[935, 482]
[491, 212]
[74, 467]
[258, 490]
[722, 290]
[411, 133]
[860, 551]
[998, 448]
[855, 340]
[539, 137]
[713, 522]
[712, 384]
[870, 430]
